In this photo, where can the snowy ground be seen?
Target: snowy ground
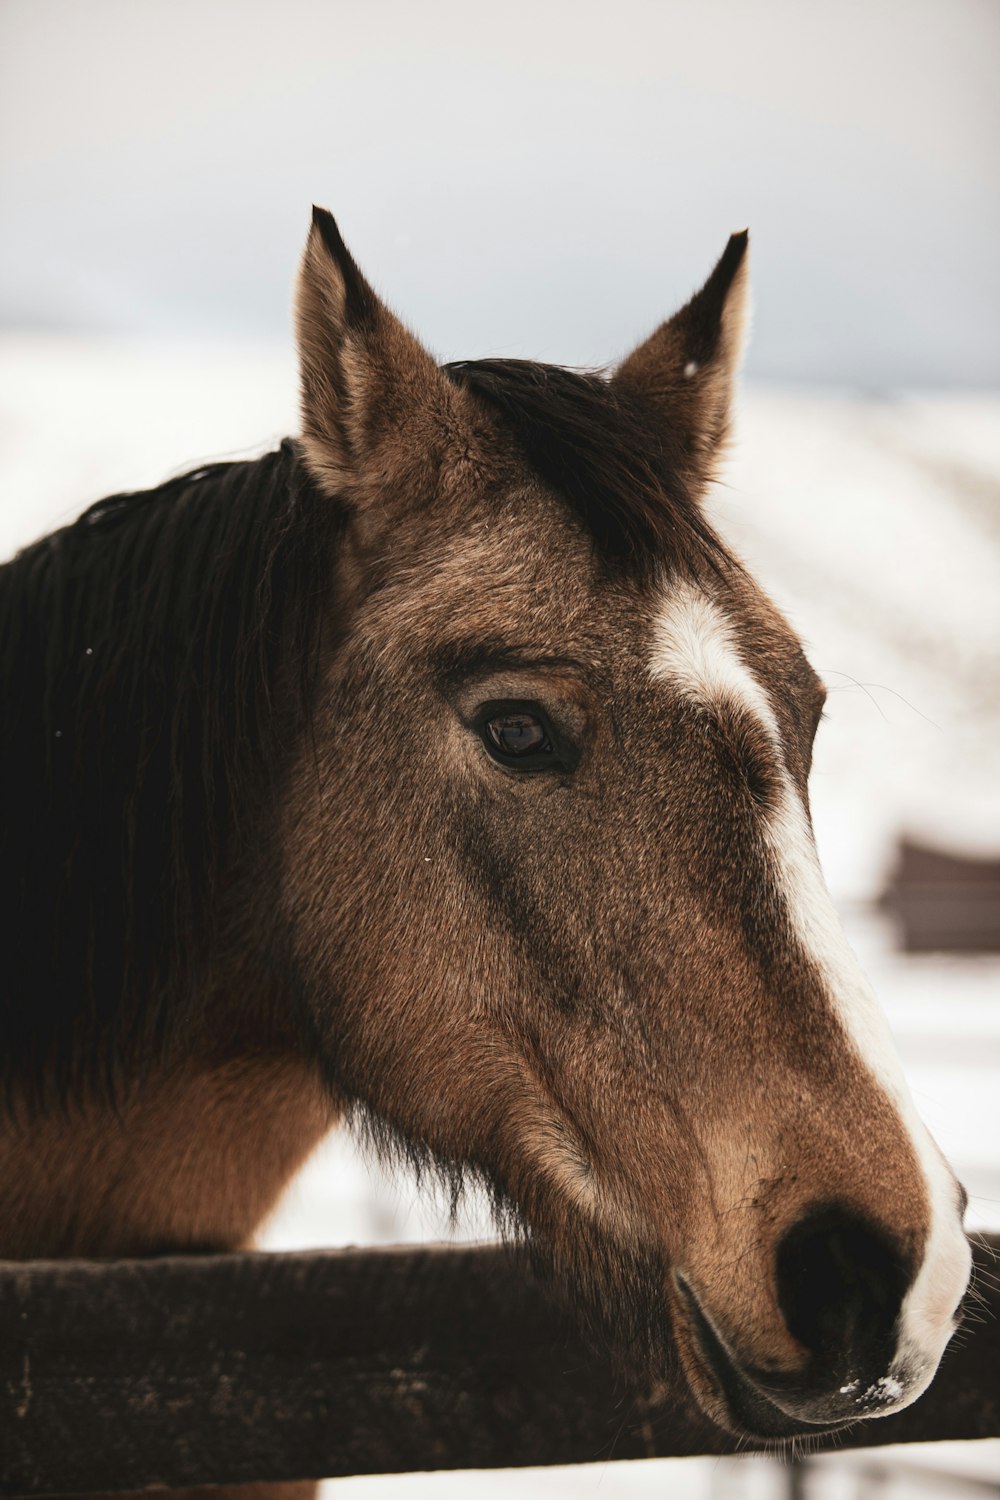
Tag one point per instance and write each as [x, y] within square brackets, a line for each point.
[876, 525]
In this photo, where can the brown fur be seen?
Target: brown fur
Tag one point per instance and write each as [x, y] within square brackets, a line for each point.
[581, 986]
[192, 1160]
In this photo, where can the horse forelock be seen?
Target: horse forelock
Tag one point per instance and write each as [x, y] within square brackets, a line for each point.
[622, 472]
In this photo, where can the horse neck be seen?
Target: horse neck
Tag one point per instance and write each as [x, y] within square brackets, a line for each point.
[139, 652]
[192, 1158]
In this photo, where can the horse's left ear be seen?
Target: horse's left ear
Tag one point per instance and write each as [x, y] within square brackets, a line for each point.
[365, 379]
[684, 373]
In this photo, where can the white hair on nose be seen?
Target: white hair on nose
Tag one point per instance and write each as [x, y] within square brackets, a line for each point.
[695, 652]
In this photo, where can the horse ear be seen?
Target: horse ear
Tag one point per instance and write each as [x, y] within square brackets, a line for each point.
[363, 375]
[684, 373]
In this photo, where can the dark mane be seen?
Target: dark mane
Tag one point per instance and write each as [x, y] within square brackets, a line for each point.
[143, 654]
[607, 456]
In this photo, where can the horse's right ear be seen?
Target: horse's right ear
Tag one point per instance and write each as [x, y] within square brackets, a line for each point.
[364, 377]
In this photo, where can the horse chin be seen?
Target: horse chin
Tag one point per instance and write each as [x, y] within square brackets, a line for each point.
[724, 1391]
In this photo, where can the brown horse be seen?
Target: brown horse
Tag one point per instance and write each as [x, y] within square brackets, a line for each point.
[444, 770]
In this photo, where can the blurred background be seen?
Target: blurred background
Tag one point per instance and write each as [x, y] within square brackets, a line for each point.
[548, 180]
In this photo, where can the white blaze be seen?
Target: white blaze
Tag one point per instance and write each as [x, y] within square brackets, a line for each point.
[695, 652]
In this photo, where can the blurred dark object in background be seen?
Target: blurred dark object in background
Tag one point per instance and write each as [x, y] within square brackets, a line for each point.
[943, 902]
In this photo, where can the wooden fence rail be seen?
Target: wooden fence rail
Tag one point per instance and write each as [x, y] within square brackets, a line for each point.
[229, 1368]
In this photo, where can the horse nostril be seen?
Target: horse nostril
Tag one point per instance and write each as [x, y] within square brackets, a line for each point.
[841, 1283]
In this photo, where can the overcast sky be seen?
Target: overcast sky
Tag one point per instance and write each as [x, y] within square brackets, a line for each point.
[538, 178]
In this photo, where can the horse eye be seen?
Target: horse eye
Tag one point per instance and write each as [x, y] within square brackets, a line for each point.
[518, 735]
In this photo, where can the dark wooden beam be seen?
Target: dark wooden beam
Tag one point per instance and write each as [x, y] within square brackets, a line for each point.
[220, 1369]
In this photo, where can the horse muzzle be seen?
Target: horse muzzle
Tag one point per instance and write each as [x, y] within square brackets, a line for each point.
[841, 1291]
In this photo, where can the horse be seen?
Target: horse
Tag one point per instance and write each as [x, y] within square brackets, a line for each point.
[445, 772]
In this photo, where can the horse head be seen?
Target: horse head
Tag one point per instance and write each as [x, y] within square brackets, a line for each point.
[550, 873]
